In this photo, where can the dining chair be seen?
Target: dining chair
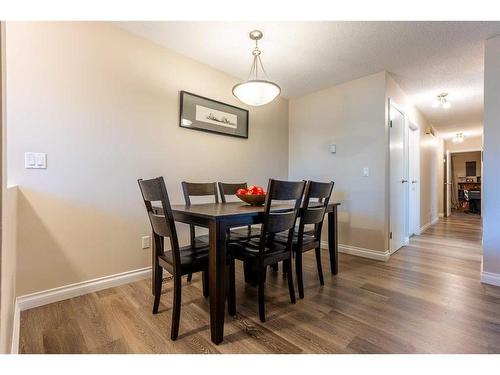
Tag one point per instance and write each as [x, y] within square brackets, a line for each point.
[313, 213]
[178, 261]
[195, 189]
[264, 251]
[236, 234]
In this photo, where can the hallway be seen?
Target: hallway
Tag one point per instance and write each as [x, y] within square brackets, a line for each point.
[460, 234]
[426, 299]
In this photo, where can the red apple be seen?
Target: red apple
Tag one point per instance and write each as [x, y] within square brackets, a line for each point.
[241, 191]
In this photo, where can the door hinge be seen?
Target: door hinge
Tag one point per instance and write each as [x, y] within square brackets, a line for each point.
[390, 123]
[390, 235]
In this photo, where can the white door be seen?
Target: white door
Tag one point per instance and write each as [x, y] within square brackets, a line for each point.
[414, 174]
[398, 181]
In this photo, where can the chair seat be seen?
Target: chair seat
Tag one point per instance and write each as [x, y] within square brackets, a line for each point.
[249, 250]
[191, 257]
[307, 240]
[238, 234]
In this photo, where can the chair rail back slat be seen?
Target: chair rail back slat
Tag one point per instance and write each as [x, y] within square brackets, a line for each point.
[314, 212]
[199, 189]
[229, 189]
[154, 190]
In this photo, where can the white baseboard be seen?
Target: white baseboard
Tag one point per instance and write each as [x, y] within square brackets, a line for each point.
[16, 327]
[425, 226]
[45, 297]
[441, 214]
[360, 252]
[489, 277]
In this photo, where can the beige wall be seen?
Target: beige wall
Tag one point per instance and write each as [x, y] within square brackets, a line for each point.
[8, 271]
[104, 105]
[431, 156]
[8, 226]
[350, 115]
[491, 157]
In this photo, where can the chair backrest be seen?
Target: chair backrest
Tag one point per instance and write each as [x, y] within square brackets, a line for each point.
[195, 189]
[275, 222]
[229, 189]
[314, 212]
[162, 224]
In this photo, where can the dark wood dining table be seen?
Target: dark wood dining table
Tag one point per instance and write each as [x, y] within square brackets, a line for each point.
[218, 217]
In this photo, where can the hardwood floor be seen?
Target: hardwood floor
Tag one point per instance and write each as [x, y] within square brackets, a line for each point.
[426, 299]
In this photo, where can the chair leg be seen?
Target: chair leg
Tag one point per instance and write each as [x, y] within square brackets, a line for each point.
[204, 282]
[318, 263]
[247, 271]
[262, 307]
[176, 311]
[299, 273]
[291, 288]
[231, 300]
[158, 281]
[190, 277]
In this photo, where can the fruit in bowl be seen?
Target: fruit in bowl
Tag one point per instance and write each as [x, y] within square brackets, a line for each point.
[254, 195]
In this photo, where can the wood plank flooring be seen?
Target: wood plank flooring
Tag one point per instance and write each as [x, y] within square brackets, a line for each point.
[426, 299]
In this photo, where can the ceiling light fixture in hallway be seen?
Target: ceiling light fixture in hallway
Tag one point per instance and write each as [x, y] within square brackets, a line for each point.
[441, 101]
[459, 138]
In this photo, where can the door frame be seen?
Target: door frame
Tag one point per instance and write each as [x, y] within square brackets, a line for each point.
[414, 177]
[406, 238]
[447, 211]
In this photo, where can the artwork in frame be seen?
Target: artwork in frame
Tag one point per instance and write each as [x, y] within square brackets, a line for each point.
[200, 113]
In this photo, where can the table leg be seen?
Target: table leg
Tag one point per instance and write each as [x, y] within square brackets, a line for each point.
[333, 241]
[217, 280]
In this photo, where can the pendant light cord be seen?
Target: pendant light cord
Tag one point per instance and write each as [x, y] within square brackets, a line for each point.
[254, 69]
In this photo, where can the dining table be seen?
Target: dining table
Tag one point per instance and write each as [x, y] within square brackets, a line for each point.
[218, 218]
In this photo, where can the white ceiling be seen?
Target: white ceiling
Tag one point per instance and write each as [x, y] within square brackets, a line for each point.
[425, 58]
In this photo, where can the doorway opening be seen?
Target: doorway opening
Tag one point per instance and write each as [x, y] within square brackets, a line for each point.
[463, 171]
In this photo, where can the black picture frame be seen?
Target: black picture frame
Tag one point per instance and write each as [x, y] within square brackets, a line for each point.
[225, 119]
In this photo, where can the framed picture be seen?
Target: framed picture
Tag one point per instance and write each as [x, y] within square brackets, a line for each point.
[200, 113]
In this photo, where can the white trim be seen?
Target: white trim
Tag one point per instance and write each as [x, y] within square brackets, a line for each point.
[425, 226]
[441, 214]
[361, 252]
[45, 297]
[16, 327]
[466, 150]
[489, 277]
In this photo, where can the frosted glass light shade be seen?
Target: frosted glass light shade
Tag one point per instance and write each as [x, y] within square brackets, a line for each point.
[256, 92]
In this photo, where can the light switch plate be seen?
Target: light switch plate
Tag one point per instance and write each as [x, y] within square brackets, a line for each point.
[146, 242]
[333, 149]
[35, 160]
[366, 172]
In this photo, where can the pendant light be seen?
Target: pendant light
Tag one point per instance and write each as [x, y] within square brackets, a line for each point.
[255, 91]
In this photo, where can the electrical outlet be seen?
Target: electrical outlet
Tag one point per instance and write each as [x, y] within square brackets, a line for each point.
[146, 242]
